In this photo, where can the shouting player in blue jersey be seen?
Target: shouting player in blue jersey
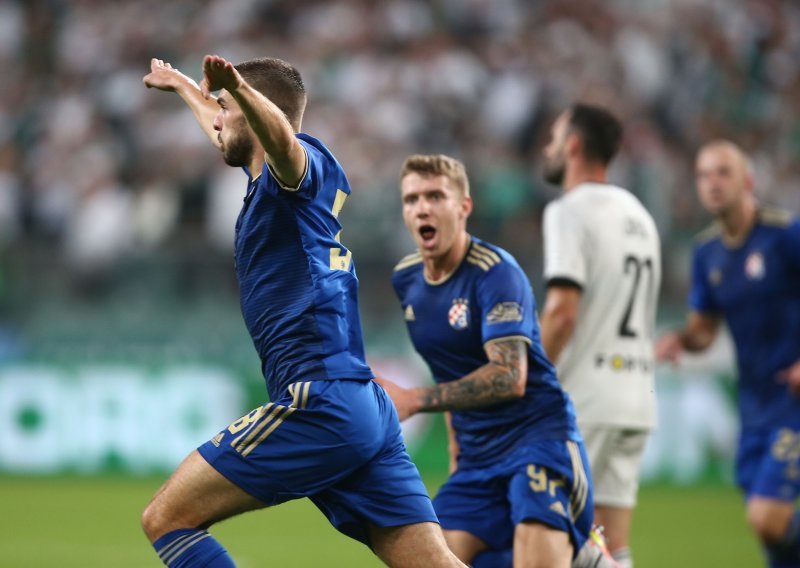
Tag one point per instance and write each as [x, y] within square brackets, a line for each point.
[746, 270]
[329, 433]
[520, 476]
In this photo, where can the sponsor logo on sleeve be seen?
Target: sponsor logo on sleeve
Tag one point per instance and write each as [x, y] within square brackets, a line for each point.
[504, 312]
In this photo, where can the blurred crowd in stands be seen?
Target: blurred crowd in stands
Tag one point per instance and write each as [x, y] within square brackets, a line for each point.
[98, 174]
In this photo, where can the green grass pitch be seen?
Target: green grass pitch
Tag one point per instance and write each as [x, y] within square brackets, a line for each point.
[94, 522]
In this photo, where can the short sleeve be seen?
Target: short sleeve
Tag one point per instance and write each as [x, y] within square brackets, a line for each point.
[701, 297]
[506, 303]
[316, 165]
[564, 257]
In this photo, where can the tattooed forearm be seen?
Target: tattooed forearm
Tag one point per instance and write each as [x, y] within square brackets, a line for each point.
[500, 380]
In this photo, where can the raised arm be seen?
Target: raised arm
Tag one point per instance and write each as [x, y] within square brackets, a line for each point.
[502, 379]
[165, 77]
[284, 153]
[698, 334]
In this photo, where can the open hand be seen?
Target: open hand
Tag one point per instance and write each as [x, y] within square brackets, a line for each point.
[165, 77]
[219, 73]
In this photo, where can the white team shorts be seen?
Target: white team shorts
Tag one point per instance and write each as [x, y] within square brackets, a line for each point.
[615, 457]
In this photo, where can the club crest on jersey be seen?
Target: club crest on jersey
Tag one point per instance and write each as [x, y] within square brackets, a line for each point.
[754, 266]
[458, 316]
[504, 312]
[715, 277]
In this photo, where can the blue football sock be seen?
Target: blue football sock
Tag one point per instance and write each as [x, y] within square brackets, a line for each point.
[786, 552]
[494, 559]
[192, 548]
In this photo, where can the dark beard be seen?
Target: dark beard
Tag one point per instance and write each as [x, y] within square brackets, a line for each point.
[238, 152]
[554, 173]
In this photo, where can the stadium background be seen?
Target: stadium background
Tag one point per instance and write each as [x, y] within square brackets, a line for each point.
[121, 342]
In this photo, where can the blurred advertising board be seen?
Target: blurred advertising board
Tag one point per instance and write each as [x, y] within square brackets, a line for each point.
[91, 419]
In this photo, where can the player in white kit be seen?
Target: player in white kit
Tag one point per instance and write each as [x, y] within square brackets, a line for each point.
[603, 271]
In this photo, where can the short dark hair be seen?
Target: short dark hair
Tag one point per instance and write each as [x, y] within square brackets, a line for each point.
[600, 131]
[280, 82]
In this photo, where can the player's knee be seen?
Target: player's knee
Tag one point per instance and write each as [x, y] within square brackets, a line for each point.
[155, 521]
[767, 526]
[149, 522]
[418, 544]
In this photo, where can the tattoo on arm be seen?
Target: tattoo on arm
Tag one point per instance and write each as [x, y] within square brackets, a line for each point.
[500, 380]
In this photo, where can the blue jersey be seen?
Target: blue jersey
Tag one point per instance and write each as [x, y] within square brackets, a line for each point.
[487, 298]
[756, 288]
[297, 283]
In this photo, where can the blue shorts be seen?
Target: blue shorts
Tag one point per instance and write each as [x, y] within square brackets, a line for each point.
[545, 482]
[768, 464]
[337, 442]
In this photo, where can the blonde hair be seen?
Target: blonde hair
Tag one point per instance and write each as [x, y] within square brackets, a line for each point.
[438, 165]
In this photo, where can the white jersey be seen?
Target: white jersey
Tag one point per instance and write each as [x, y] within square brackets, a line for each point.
[601, 238]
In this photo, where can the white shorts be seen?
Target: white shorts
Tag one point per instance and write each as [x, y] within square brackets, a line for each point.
[615, 458]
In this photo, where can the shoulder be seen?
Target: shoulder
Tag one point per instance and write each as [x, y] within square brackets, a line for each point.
[601, 200]
[629, 200]
[776, 217]
[555, 215]
[308, 140]
[782, 225]
[571, 210]
[315, 148]
[492, 262]
[708, 235]
[408, 261]
[406, 271]
[484, 255]
[557, 205]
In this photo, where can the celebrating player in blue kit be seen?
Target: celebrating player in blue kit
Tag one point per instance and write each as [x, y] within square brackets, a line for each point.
[746, 270]
[329, 433]
[520, 479]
